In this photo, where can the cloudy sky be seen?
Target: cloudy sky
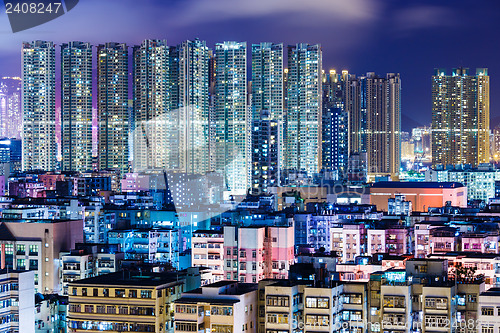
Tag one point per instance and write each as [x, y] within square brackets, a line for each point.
[409, 37]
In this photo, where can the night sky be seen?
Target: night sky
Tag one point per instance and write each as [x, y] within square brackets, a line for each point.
[409, 37]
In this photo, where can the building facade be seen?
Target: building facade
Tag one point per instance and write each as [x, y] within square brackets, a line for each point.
[124, 302]
[335, 134]
[303, 113]
[11, 116]
[39, 105]
[460, 117]
[154, 132]
[374, 106]
[76, 106]
[232, 116]
[193, 107]
[266, 152]
[112, 106]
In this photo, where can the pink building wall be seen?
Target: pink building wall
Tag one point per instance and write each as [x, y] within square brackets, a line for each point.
[134, 182]
[263, 252]
[396, 241]
[49, 180]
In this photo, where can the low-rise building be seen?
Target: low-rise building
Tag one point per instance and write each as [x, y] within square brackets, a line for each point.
[75, 265]
[488, 316]
[422, 195]
[123, 302]
[159, 245]
[223, 307]
[35, 245]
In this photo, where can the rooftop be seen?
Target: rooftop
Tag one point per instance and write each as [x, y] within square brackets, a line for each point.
[491, 292]
[417, 185]
[208, 299]
[141, 279]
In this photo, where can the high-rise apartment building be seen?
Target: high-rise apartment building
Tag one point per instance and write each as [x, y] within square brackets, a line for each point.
[155, 124]
[232, 116]
[374, 106]
[460, 117]
[112, 104]
[495, 145]
[265, 152]
[11, 118]
[421, 138]
[303, 114]
[39, 107]
[267, 86]
[335, 135]
[267, 80]
[76, 106]
[193, 109]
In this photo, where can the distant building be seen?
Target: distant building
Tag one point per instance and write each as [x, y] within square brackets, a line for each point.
[76, 106]
[11, 116]
[153, 130]
[480, 182]
[335, 124]
[268, 90]
[422, 143]
[460, 117]
[302, 140]
[374, 106]
[421, 194]
[230, 103]
[11, 155]
[399, 206]
[193, 125]
[39, 108]
[266, 152]
[112, 102]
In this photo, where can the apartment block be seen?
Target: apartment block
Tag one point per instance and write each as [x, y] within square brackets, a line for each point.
[208, 251]
[17, 313]
[256, 253]
[223, 307]
[124, 302]
[35, 245]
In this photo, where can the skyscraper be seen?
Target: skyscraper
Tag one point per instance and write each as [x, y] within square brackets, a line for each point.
[303, 114]
[154, 121]
[232, 116]
[335, 134]
[267, 92]
[460, 117]
[265, 152]
[11, 116]
[374, 106]
[193, 83]
[39, 110]
[267, 80]
[76, 106]
[112, 104]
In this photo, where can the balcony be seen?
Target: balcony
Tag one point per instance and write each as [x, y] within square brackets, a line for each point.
[71, 266]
